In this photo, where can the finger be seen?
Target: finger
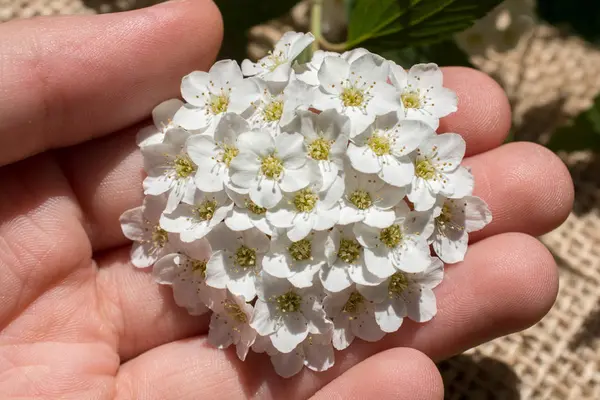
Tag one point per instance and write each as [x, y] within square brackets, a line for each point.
[131, 300]
[506, 284]
[106, 173]
[396, 374]
[527, 187]
[483, 117]
[68, 79]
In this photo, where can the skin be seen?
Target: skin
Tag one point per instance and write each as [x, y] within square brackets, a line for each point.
[77, 321]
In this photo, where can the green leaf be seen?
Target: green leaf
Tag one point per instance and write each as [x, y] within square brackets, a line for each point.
[400, 23]
[445, 53]
[241, 15]
[583, 133]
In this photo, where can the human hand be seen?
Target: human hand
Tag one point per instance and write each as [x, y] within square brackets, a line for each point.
[78, 321]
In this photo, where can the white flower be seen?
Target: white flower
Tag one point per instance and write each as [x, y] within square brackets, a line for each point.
[170, 169]
[277, 66]
[266, 166]
[287, 314]
[209, 95]
[308, 209]
[438, 171]
[454, 219]
[309, 72]
[353, 316]
[236, 260]
[326, 139]
[246, 215]
[213, 156]
[358, 90]
[422, 93]
[345, 262]
[400, 247]
[315, 352]
[196, 219]
[229, 324]
[370, 200]
[185, 271]
[298, 261]
[383, 148]
[405, 294]
[141, 225]
[276, 107]
[162, 117]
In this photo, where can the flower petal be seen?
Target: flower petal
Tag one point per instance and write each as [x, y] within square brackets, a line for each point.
[477, 214]
[297, 179]
[238, 220]
[378, 262]
[363, 159]
[290, 150]
[291, 333]
[452, 250]
[265, 193]
[421, 305]
[397, 172]
[379, 218]
[335, 278]
[426, 76]
[332, 73]
[287, 364]
[262, 320]
[301, 227]
[387, 317]
[194, 86]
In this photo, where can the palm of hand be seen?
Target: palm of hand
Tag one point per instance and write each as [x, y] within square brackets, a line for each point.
[77, 321]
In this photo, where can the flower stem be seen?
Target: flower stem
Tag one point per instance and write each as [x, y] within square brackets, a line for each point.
[316, 19]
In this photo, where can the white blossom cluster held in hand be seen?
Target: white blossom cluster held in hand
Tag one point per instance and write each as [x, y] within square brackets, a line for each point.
[302, 203]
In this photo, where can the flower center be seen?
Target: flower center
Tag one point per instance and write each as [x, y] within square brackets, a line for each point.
[349, 250]
[219, 104]
[289, 302]
[245, 257]
[380, 144]
[353, 97]
[301, 250]
[235, 312]
[273, 111]
[391, 236]
[445, 216]
[411, 99]
[305, 200]
[160, 237]
[254, 209]
[353, 304]
[361, 199]
[319, 149]
[276, 60]
[271, 167]
[425, 169]
[184, 166]
[229, 153]
[398, 284]
[206, 209]
[199, 267]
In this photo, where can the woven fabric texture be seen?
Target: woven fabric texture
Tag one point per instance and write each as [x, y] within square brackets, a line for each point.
[549, 77]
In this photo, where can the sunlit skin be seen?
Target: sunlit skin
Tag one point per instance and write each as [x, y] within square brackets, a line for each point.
[78, 321]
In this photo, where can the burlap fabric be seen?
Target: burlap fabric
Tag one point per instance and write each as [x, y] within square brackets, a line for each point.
[549, 78]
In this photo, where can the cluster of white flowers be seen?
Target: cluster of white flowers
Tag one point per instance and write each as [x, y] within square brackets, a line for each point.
[298, 203]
